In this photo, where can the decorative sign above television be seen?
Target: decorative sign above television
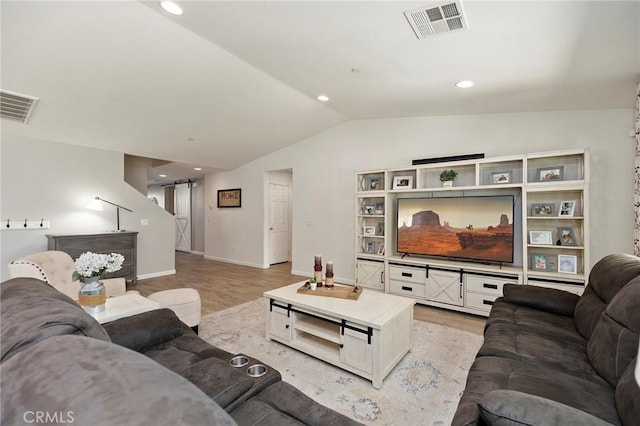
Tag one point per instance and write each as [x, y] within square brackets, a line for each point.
[468, 228]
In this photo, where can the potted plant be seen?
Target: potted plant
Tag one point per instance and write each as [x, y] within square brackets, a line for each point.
[313, 283]
[447, 177]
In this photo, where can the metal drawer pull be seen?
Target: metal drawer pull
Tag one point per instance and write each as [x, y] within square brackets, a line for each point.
[407, 274]
[487, 302]
[493, 286]
[407, 288]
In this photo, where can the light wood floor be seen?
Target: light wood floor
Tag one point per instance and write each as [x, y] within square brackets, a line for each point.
[223, 285]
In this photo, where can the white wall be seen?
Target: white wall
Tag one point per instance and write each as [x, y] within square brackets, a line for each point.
[53, 181]
[324, 166]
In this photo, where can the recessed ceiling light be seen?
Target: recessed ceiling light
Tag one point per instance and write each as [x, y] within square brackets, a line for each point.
[197, 168]
[323, 98]
[171, 7]
[465, 84]
[162, 175]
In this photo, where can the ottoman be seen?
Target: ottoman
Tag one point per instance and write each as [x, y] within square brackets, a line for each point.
[185, 302]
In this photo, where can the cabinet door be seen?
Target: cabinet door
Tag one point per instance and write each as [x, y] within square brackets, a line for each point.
[370, 274]
[444, 287]
[355, 350]
[279, 324]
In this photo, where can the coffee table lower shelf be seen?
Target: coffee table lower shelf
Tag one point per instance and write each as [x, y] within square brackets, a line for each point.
[367, 337]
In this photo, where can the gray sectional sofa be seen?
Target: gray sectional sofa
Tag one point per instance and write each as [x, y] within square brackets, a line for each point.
[552, 358]
[58, 365]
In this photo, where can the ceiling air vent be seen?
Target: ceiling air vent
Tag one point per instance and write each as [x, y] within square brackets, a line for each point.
[436, 18]
[15, 106]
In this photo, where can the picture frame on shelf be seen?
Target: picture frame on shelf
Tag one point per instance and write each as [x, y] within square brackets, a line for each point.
[567, 264]
[541, 263]
[369, 247]
[374, 184]
[380, 229]
[542, 209]
[403, 182]
[368, 209]
[549, 174]
[381, 249]
[379, 208]
[500, 178]
[369, 230]
[567, 237]
[540, 237]
[567, 208]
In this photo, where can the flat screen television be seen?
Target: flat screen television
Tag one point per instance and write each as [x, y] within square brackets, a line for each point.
[478, 228]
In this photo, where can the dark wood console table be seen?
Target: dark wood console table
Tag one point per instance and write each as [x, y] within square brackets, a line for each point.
[124, 243]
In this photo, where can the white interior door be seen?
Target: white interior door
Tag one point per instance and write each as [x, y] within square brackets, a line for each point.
[183, 216]
[278, 223]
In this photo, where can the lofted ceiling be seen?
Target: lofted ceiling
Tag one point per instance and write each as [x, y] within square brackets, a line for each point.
[231, 81]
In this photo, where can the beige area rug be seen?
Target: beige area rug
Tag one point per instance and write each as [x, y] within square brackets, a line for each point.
[423, 389]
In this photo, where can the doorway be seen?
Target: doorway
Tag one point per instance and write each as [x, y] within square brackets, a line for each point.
[279, 216]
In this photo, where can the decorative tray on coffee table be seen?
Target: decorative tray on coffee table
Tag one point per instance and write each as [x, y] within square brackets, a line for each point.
[337, 291]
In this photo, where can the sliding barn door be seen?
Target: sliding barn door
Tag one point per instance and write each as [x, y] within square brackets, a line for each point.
[183, 216]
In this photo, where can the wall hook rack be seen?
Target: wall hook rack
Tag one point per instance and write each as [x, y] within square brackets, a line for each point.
[25, 225]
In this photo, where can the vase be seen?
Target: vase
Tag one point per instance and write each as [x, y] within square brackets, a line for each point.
[92, 295]
[447, 184]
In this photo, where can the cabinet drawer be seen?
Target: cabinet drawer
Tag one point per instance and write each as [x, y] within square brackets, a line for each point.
[487, 285]
[408, 274]
[479, 301]
[408, 289]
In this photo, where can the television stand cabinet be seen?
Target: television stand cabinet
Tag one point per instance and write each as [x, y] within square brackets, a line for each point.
[367, 337]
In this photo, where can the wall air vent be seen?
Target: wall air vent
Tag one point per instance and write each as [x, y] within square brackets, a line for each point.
[15, 106]
[437, 18]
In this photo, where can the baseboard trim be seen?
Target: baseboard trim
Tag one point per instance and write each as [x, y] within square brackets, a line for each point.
[236, 262]
[157, 274]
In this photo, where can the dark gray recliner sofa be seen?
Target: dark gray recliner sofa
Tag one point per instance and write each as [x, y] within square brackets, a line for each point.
[552, 358]
[58, 365]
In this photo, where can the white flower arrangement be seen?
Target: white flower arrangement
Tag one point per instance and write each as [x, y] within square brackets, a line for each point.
[95, 265]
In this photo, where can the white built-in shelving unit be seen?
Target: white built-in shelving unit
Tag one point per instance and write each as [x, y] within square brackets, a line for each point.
[541, 184]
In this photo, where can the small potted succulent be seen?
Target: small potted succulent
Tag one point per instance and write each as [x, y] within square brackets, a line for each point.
[313, 283]
[447, 177]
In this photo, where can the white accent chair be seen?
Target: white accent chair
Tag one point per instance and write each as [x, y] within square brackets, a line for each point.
[56, 269]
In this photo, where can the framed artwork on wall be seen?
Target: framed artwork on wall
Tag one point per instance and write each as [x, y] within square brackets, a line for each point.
[229, 198]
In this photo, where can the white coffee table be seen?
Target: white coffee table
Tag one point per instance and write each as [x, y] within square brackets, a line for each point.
[124, 306]
[367, 337]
